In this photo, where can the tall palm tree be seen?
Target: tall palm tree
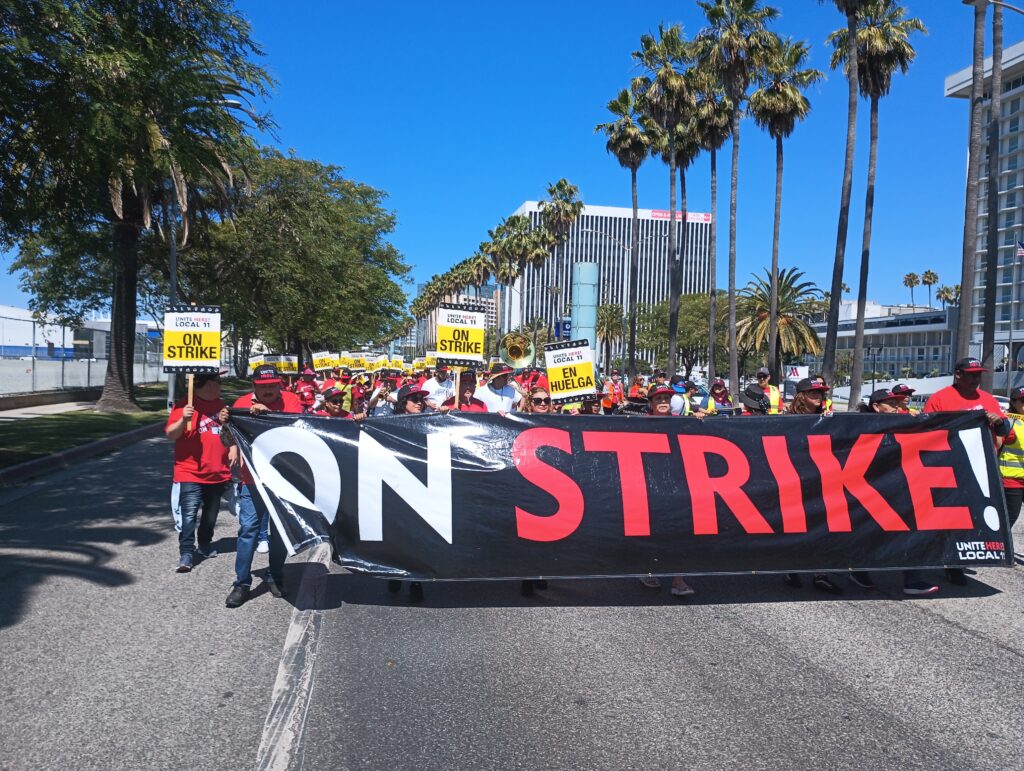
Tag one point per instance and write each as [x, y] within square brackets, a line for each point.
[557, 215]
[988, 313]
[849, 8]
[713, 124]
[734, 46]
[628, 143]
[791, 301]
[776, 107]
[609, 328]
[910, 281]
[944, 294]
[929, 278]
[664, 96]
[883, 47]
[968, 260]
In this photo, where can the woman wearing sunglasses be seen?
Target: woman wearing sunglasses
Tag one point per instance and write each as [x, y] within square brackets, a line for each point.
[410, 400]
[333, 405]
[537, 401]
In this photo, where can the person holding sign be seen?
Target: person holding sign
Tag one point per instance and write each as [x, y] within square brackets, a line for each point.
[497, 394]
[201, 466]
[467, 401]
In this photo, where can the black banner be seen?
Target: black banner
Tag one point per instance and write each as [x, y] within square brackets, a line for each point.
[462, 495]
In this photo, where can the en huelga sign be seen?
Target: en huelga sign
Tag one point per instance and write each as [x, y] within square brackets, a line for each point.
[570, 371]
[192, 339]
[462, 495]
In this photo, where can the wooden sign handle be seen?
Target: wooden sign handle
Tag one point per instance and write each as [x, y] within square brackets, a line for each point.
[458, 389]
[191, 386]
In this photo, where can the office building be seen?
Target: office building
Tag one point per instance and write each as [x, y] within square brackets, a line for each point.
[1011, 202]
[602, 234]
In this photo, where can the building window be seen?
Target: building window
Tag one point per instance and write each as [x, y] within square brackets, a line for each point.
[1015, 123]
[1011, 146]
[1011, 203]
[1008, 239]
[1008, 222]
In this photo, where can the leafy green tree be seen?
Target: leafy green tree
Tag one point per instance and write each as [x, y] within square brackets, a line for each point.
[734, 47]
[776, 106]
[628, 143]
[107, 102]
[929, 279]
[910, 281]
[883, 47]
[609, 328]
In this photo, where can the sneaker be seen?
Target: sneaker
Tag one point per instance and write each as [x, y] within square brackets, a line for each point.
[207, 551]
[415, 592]
[916, 588]
[275, 587]
[262, 547]
[825, 584]
[680, 588]
[238, 595]
[862, 578]
[651, 582]
[956, 576]
[184, 563]
[793, 579]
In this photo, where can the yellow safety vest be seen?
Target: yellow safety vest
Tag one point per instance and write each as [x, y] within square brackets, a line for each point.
[774, 400]
[1011, 456]
[827, 404]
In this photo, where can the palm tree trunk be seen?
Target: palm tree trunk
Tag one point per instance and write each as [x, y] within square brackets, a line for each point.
[119, 383]
[836, 294]
[773, 319]
[734, 366]
[634, 277]
[677, 288]
[912, 296]
[857, 375]
[988, 325]
[964, 326]
[713, 269]
[673, 265]
[522, 295]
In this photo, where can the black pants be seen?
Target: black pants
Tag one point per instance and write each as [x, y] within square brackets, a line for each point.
[1014, 496]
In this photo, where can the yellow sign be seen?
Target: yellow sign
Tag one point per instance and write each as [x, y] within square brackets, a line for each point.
[323, 360]
[398, 362]
[192, 339]
[418, 363]
[430, 360]
[257, 361]
[289, 365]
[570, 371]
[460, 334]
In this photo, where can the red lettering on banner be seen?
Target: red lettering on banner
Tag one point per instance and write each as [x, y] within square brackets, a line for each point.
[791, 493]
[837, 479]
[922, 479]
[704, 487]
[629, 450]
[562, 487]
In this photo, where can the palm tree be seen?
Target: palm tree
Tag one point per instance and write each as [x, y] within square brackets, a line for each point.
[609, 328]
[929, 278]
[944, 294]
[664, 96]
[988, 313]
[734, 47]
[850, 9]
[883, 47]
[964, 327]
[776, 107]
[480, 268]
[911, 280]
[791, 301]
[557, 215]
[713, 124]
[628, 143]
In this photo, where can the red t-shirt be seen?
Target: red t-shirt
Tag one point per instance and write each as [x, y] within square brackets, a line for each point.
[199, 455]
[473, 405]
[287, 403]
[950, 400]
[326, 414]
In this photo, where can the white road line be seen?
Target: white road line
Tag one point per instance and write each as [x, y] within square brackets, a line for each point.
[280, 745]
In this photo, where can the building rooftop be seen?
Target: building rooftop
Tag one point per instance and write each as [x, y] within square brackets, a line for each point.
[959, 83]
[623, 211]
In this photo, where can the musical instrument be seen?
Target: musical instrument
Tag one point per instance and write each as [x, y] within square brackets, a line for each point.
[516, 350]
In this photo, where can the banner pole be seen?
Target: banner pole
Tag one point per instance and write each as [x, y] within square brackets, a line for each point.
[458, 390]
[191, 385]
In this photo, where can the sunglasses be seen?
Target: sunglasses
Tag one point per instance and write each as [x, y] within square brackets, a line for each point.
[336, 402]
[415, 398]
[542, 401]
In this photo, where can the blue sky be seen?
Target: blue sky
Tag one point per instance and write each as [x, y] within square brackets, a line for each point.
[463, 110]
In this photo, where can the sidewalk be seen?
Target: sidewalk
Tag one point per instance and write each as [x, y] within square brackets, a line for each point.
[42, 410]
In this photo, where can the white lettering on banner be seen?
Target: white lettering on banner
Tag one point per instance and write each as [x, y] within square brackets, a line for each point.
[314, 450]
[379, 466]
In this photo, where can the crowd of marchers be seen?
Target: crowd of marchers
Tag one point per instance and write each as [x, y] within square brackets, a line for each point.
[207, 463]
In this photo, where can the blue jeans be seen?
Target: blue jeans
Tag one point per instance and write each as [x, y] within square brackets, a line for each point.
[193, 497]
[248, 534]
[265, 527]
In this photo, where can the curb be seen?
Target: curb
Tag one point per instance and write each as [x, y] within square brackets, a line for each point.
[13, 475]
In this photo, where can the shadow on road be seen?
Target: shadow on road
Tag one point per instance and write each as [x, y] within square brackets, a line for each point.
[313, 587]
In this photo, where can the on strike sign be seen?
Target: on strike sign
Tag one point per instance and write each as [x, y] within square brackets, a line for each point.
[323, 360]
[460, 334]
[192, 338]
[570, 370]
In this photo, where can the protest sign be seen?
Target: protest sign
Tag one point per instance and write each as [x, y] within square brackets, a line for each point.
[430, 360]
[192, 339]
[465, 495]
[289, 365]
[257, 361]
[461, 329]
[570, 371]
[323, 360]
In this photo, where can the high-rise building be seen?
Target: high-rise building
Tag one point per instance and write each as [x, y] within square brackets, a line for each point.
[602, 234]
[1011, 203]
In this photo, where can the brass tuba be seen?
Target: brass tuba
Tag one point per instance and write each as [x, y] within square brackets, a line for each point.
[516, 350]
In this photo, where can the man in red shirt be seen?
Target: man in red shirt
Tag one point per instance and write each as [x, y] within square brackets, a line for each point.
[965, 394]
[267, 396]
[305, 388]
[467, 402]
[200, 466]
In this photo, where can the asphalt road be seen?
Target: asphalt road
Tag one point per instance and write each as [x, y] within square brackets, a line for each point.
[108, 659]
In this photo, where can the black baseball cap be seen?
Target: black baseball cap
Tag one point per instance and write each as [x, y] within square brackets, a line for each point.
[764, 371]
[881, 395]
[810, 385]
[970, 364]
[902, 389]
[266, 373]
[1017, 393]
[658, 390]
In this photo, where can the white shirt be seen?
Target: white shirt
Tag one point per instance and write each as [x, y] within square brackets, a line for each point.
[438, 393]
[498, 400]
